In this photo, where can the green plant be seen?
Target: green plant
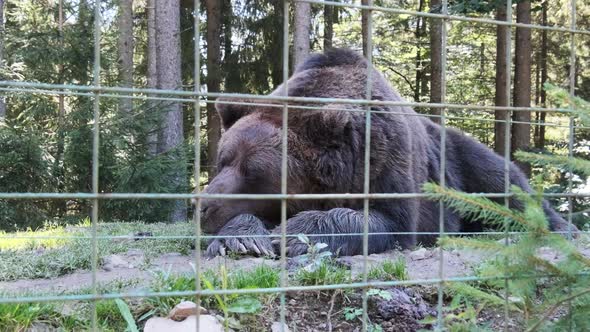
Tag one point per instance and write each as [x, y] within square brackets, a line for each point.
[23, 168]
[126, 313]
[325, 273]
[390, 270]
[352, 313]
[379, 292]
[459, 316]
[564, 282]
[315, 256]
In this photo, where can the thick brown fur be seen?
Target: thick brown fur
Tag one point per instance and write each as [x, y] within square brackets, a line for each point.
[326, 146]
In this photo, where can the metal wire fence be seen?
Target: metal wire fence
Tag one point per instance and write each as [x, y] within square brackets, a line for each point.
[198, 98]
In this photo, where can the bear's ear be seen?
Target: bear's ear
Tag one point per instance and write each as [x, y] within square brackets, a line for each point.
[330, 120]
[231, 110]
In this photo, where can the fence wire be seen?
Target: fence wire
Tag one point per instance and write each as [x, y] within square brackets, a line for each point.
[198, 97]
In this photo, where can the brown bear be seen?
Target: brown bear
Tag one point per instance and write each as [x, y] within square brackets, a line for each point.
[326, 147]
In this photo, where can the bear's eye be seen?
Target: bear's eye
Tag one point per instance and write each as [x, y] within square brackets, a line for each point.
[223, 162]
[251, 173]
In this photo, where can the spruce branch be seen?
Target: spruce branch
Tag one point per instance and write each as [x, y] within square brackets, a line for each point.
[477, 207]
[564, 99]
[487, 245]
[555, 306]
[575, 164]
[477, 294]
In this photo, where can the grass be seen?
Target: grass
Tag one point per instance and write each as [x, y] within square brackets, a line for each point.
[20, 317]
[36, 239]
[236, 307]
[390, 270]
[325, 274]
[28, 255]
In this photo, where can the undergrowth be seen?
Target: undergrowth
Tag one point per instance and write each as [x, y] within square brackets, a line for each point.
[30, 254]
[549, 293]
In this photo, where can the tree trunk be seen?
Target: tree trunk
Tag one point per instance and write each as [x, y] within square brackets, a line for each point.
[537, 127]
[152, 71]
[213, 81]
[2, 102]
[125, 23]
[521, 132]
[502, 76]
[233, 83]
[435, 60]
[365, 26]
[58, 158]
[84, 25]
[418, 35]
[543, 94]
[302, 23]
[169, 77]
[328, 26]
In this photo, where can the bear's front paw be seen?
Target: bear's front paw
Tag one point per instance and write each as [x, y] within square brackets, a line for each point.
[246, 235]
[295, 246]
[243, 245]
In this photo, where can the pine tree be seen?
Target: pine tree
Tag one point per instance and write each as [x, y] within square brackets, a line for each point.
[538, 287]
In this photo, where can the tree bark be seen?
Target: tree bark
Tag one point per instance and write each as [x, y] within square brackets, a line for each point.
[125, 43]
[169, 78]
[419, 66]
[435, 60]
[365, 26]
[213, 81]
[233, 82]
[521, 132]
[543, 64]
[152, 71]
[302, 23]
[502, 97]
[328, 26]
[2, 102]
[58, 158]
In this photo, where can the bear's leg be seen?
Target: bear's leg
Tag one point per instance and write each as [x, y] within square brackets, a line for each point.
[483, 171]
[240, 228]
[337, 223]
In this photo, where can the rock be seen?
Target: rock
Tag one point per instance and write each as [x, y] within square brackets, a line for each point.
[276, 327]
[114, 261]
[135, 252]
[207, 323]
[41, 327]
[140, 235]
[387, 326]
[172, 254]
[420, 254]
[184, 309]
[404, 303]
[503, 240]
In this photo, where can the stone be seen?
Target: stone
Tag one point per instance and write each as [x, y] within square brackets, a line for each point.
[403, 302]
[114, 261]
[135, 252]
[140, 235]
[207, 323]
[420, 254]
[184, 309]
[276, 327]
[41, 327]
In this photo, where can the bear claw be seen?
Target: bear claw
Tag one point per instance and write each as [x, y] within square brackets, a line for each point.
[243, 246]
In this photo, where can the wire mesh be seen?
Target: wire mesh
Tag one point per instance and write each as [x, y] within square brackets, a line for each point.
[197, 97]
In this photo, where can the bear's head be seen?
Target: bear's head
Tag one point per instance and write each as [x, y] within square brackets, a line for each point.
[250, 154]
[248, 162]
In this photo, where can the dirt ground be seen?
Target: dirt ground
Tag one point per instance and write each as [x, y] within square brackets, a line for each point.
[421, 264]
[305, 311]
